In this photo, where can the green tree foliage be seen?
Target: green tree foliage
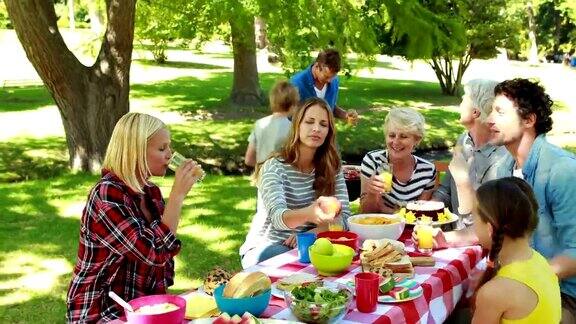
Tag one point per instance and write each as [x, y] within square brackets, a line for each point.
[4, 19]
[411, 29]
[556, 21]
[487, 29]
[163, 20]
[554, 24]
[297, 28]
[158, 24]
[449, 34]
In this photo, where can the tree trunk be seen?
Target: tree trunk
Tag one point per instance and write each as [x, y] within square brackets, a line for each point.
[90, 99]
[557, 32]
[261, 41]
[533, 55]
[71, 18]
[95, 14]
[463, 65]
[246, 89]
[442, 67]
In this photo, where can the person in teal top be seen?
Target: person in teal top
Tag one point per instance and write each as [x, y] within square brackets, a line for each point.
[519, 285]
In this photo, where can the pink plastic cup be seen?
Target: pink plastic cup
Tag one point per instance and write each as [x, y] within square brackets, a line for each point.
[367, 291]
[173, 317]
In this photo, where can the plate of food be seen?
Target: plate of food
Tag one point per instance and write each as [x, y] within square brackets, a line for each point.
[434, 211]
[386, 257]
[397, 290]
[290, 282]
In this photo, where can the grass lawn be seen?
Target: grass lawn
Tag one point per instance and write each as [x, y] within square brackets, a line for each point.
[39, 238]
[41, 201]
[216, 134]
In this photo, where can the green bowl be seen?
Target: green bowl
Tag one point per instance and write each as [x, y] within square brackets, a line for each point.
[331, 265]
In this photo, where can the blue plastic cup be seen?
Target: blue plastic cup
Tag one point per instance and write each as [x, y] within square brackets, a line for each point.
[304, 240]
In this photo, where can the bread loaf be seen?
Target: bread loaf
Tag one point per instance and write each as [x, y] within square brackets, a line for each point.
[247, 284]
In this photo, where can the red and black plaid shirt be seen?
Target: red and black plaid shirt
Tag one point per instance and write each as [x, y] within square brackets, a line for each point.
[119, 250]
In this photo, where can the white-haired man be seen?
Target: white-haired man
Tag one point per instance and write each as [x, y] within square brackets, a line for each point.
[477, 158]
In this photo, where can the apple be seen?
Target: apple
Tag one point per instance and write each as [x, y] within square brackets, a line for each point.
[332, 206]
[323, 246]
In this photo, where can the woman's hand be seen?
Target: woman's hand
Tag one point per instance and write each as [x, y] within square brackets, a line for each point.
[439, 238]
[375, 185]
[291, 241]
[186, 176]
[323, 210]
[329, 205]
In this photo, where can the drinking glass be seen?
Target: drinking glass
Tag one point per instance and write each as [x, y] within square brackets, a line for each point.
[425, 235]
[385, 173]
[177, 159]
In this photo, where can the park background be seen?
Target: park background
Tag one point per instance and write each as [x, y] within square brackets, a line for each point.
[182, 71]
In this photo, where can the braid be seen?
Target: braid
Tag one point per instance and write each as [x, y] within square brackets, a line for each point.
[493, 262]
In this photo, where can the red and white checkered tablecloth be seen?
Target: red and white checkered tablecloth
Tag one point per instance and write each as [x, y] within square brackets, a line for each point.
[443, 286]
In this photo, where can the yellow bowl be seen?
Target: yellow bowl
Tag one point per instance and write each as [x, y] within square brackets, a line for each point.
[331, 265]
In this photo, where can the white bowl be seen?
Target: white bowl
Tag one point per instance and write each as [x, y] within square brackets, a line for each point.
[376, 232]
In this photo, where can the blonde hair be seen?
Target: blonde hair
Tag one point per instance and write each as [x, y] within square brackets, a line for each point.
[407, 120]
[283, 96]
[481, 93]
[326, 159]
[126, 152]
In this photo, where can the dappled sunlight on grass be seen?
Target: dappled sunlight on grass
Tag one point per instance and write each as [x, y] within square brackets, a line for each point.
[72, 209]
[26, 275]
[204, 233]
[45, 224]
[247, 204]
[24, 98]
[32, 158]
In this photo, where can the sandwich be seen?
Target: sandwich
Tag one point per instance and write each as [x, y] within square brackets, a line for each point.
[295, 280]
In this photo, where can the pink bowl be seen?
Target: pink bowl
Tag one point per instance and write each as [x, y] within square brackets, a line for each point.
[173, 317]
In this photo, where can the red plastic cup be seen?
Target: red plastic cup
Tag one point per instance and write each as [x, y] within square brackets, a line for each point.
[367, 291]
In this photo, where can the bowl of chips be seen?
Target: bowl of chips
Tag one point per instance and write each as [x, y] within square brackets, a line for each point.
[377, 226]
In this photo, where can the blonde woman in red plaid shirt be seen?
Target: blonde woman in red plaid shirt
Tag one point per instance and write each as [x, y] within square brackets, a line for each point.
[127, 233]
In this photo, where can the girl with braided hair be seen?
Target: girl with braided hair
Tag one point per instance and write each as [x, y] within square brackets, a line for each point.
[518, 286]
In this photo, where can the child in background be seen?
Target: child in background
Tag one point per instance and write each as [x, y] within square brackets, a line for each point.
[519, 286]
[270, 132]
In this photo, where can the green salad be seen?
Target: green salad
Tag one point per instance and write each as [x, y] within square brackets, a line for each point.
[317, 304]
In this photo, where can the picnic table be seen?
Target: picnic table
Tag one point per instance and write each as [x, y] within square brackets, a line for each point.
[443, 286]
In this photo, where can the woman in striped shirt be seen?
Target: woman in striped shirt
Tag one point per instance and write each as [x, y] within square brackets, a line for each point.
[296, 187]
[412, 177]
